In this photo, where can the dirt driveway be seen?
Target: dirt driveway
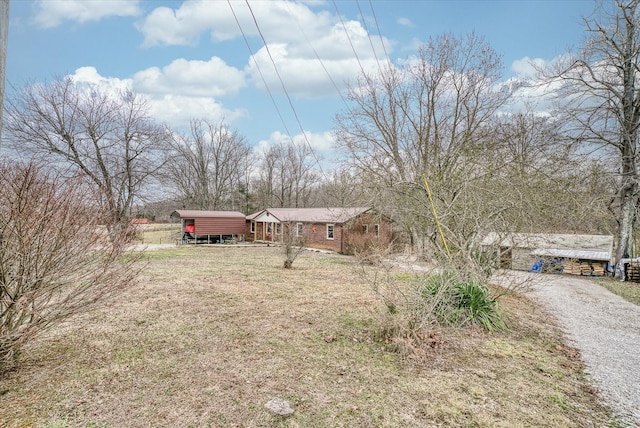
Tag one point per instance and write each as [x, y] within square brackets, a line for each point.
[605, 329]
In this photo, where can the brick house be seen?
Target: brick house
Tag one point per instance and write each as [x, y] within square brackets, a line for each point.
[337, 229]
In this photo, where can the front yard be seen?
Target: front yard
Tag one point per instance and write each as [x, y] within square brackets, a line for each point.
[211, 334]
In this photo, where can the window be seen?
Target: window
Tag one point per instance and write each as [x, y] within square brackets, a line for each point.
[268, 227]
[329, 231]
[299, 229]
[365, 228]
[376, 229]
[253, 227]
[278, 230]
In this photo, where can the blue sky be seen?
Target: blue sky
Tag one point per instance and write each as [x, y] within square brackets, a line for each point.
[191, 60]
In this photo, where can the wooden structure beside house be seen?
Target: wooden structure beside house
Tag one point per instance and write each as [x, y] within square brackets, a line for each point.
[588, 255]
[209, 226]
[337, 229]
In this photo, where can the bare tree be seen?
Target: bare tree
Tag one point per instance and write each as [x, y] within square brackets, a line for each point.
[602, 99]
[54, 259]
[286, 177]
[558, 187]
[209, 166]
[342, 188]
[426, 123]
[293, 242]
[109, 138]
[265, 184]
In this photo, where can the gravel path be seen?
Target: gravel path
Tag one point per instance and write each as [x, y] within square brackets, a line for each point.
[605, 329]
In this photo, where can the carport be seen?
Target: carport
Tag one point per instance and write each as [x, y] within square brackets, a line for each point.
[208, 227]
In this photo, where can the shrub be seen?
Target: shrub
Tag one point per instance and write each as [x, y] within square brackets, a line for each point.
[54, 259]
[460, 300]
[416, 307]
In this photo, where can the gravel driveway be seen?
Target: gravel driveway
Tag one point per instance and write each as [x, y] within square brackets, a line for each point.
[605, 328]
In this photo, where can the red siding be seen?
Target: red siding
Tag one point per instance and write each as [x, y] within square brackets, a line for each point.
[220, 226]
[213, 222]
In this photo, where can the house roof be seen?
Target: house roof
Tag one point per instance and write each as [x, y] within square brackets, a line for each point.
[254, 215]
[312, 215]
[207, 214]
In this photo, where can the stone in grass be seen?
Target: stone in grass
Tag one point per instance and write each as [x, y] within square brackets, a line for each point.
[279, 407]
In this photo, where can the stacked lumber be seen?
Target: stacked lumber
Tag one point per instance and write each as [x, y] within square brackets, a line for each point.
[597, 269]
[572, 267]
[585, 268]
[633, 272]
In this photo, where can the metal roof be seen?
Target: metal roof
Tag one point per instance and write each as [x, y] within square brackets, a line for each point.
[535, 241]
[254, 215]
[311, 215]
[573, 254]
[207, 214]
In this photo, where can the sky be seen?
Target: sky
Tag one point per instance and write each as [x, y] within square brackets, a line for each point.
[197, 58]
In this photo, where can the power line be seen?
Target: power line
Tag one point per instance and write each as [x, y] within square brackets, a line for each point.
[315, 52]
[384, 48]
[349, 38]
[279, 76]
[246, 41]
[295, 113]
[373, 49]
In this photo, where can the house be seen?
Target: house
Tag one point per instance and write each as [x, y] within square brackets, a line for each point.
[337, 229]
[209, 226]
[573, 254]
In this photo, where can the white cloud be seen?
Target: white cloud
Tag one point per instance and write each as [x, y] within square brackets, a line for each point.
[306, 75]
[52, 13]
[178, 110]
[527, 67]
[184, 25]
[213, 78]
[171, 107]
[531, 91]
[405, 22]
[319, 143]
[306, 47]
[91, 77]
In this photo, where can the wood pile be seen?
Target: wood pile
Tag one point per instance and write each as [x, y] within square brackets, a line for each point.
[572, 267]
[584, 268]
[633, 272]
[597, 269]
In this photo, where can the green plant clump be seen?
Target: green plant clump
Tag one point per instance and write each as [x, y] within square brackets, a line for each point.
[459, 300]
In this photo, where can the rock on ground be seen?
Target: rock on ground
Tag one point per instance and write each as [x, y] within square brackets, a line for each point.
[279, 407]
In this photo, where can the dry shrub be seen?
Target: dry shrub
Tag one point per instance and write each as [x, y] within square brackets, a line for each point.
[54, 259]
[368, 248]
[417, 306]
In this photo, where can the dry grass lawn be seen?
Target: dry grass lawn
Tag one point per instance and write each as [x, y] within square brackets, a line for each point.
[211, 334]
[630, 291]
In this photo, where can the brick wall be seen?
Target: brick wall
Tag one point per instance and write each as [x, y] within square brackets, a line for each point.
[315, 234]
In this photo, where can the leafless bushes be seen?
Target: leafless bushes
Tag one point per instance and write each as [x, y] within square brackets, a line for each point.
[418, 301]
[54, 260]
[292, 243]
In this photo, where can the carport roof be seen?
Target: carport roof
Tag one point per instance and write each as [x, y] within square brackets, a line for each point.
[207, 214]
[603, 256]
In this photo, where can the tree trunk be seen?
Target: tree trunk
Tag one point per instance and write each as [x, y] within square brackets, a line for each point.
[629, 200]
